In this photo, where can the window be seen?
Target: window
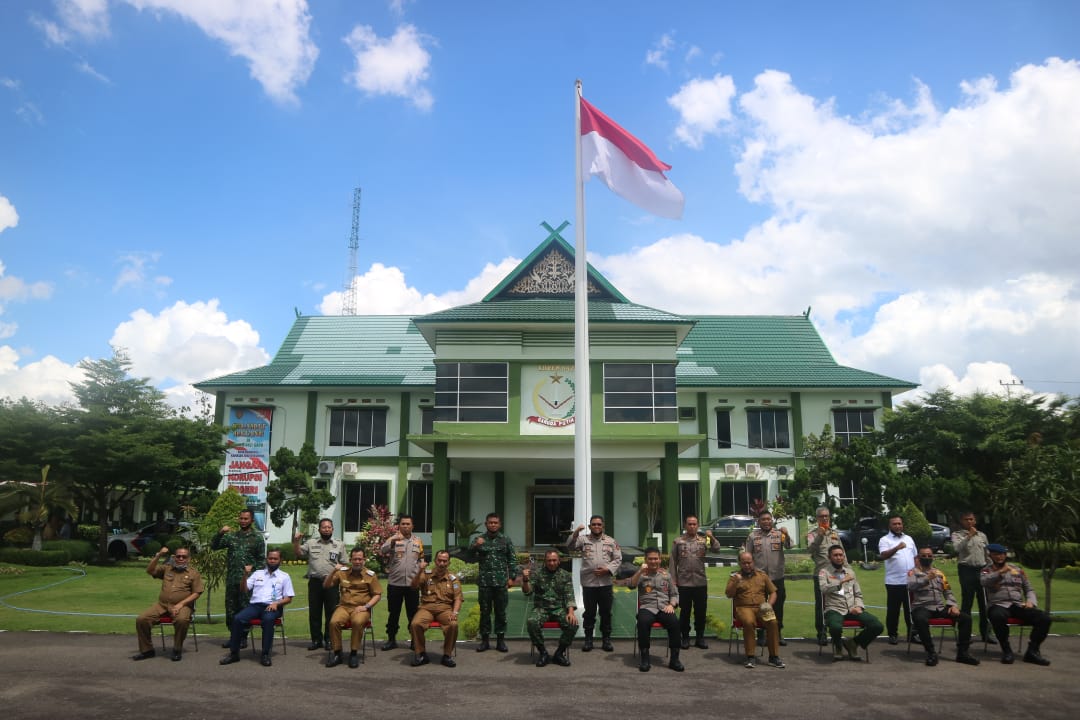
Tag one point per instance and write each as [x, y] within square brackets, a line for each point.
[359, 497]
[767, 429]
[723, 429]
[471, 392]
[737, 497]
[427, 420]
[847, 492]
[640, 392]
[357, 427]
[419, 504]
[850, 424]
[688, 500]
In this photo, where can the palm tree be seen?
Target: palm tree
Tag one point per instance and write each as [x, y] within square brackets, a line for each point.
[34, 503]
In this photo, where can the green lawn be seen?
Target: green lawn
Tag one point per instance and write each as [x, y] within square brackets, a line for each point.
[107, 599]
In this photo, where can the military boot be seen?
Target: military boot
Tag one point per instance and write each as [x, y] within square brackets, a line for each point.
[1007, 656]
[606, 646]
[1034, 656]
[559, 658]
[674, 663]
[500, 643]
[543, 657]
[645, 665]
[587, 646]
[484, 644]
[701, 644]
[390, 643]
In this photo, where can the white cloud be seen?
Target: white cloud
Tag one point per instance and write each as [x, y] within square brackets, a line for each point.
[134, 274]
[87, 69]
[396, 66]
[29, 113]
[8, 217]
[9, 83]
[704, 106]
[657, 54]
[272, 35]
[383, 290]
[13, 288]
[82, 19]
[45, 380]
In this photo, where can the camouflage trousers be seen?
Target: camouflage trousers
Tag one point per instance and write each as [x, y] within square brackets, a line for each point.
[535, 625]
[236, 599]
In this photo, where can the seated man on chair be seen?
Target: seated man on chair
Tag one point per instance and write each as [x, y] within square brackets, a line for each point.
[752, 596]
[358, 592]
[931, 597]
[658, 597]
[181, 586]
[553, 599]
[1010, 595]
[842, 599]
[440, 601]
[271, 590]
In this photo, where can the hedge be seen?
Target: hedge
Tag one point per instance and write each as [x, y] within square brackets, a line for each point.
[38, 558]
[1033, 552]
[76, 550]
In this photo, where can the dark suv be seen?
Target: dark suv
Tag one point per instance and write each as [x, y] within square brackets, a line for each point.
[873, 529]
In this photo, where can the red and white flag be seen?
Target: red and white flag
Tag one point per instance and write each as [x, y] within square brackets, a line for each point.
[626, 165]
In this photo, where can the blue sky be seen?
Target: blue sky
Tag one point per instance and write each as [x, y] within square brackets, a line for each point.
[176, 176]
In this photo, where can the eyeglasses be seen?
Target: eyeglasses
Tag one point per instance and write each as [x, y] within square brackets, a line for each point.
[181, 557]
[596, 524]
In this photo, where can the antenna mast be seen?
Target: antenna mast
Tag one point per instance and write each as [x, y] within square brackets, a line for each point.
[348, 303]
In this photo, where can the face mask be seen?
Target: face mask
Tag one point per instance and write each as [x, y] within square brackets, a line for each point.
[926, 562]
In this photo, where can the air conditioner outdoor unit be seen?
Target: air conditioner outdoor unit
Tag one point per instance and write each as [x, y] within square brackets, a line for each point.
[752, 469]
[326, 467]
[731, 469]
[782, 470]
[427, 468]
[348, 468]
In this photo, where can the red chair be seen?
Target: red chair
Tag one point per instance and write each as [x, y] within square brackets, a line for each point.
[279, 623]
[365, 632]
[935, 623]
[848, 625]
[168, 620]
[1011, 623]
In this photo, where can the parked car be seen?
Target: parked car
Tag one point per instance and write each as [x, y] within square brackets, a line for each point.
[132, 543]
[873, 529]
[730, 530]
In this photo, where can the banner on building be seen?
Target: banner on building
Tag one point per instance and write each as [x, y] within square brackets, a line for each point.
[247, 459]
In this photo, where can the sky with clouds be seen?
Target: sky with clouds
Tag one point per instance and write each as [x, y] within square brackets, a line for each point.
[176, 176]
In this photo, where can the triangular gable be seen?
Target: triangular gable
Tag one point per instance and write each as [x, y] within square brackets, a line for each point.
[548, 272]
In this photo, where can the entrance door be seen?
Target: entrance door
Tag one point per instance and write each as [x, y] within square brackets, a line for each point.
[551, 518]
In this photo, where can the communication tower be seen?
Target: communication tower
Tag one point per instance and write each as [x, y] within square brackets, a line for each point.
[348, 303]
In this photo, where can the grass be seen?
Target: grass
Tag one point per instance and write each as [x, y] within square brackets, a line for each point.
[107, 599]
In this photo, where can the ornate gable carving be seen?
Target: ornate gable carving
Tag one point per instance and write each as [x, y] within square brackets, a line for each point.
[552, 274]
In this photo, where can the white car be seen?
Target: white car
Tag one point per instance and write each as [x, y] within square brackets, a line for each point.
[132, 543]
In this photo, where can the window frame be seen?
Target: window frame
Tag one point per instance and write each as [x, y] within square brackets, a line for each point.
[640, 397]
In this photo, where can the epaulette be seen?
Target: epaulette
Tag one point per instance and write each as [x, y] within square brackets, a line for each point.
[370, 572]
[452, 576]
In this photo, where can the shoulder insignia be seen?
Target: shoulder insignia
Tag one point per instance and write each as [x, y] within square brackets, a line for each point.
[370, 572]
[453, 577]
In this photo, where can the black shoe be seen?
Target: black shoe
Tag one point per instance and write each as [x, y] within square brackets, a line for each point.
[931, 659]
[1007, 657]
[894, 639]
[543, 658]
[914, 639]
[327, 645]
[782, 640]
[701, 644]
[484, 644]
[144, 655]
[229, 659]
[966, 659]
[606, 645]
[226, 644]
[500, 644]
[354, 660]
[674, 663]
[587, 646]
[334, 660]
[559, 658]
[989, 639]
[177, 656]
[390, 644]
[822, 639]
[645, 665]
[686, 643]
[243, 643]
[1035, 658]
[266, 661]
[315, 646]
[448, 661]
[420, 659]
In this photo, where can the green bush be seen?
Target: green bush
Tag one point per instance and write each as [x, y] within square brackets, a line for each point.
[76, 550]
[151, 548]
[799, 567]
[287, 554]
[38, 558]
[87, 532]
[1034, 551]
[466, 572]
[916, 524]
[470, 626]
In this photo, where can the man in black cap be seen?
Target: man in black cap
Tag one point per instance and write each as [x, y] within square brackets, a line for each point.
[1010, 595]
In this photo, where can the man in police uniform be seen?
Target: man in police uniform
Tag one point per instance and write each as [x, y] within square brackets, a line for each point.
[403, 552]
[753, 597]
[600, 560]
[931, 597]
[359, 591]
[440, 601]
[818, 542]
[245, 547]
[971, 557]
[658, 596]
[842, 598]
[767, 545]
[1009, 594]
[553, 599]
[498, 568]
[181, 586]
[271, 590]
[323, 555]
[687, 566]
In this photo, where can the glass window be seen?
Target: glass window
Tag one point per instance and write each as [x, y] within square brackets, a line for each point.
[419, 504]
[723, 429]
[471, 392]
[850, 424]
[640, 393]
[357, 427]
[688, 499]
[358, 499]
[736, 498]
[767, 429]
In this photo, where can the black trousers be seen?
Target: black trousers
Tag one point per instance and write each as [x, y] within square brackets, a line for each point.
[781, 596]
[321, 604]
[395, 595]
[1039, 620]
[819, 622]
[970, 591]
[694, 599]
[921, 618]
[597, 598]
[669, 621]
[896, 597]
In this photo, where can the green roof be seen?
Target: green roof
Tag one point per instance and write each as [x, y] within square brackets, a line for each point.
[543, 310]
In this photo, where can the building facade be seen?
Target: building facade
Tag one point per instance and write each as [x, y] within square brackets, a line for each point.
[470, 410]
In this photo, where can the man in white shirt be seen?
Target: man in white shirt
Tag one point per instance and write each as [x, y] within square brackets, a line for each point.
[271, 590]
[898, 551]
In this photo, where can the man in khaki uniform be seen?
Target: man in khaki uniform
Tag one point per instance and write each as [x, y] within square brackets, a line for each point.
[181, 586]
[818, 542]
[753, 595]
[687, 566]
[440, 601]
[658, 596]
[359, 591]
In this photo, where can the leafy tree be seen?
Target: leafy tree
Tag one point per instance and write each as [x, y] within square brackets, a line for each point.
[35, 503]
[830, 463]
[915, 523]
[28, 430]
[211, 563]
[290, 493]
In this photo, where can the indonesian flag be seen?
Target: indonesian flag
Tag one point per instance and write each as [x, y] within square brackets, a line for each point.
[626, 165]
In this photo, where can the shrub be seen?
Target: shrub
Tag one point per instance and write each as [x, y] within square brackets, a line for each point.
[37, 558]
[466, 572]
[76, 550]
[470, 626]
[915, 524]
[87, 532]
[19, 536]
[1036, 551]
[151, 548]
[287, 554]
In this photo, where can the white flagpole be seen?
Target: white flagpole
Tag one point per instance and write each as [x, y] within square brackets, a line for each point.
[582, 391]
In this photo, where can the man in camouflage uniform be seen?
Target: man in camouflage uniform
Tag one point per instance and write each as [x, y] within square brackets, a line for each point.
[1009, 594]
[359, 591]
[687, 566]
[600, 560]
[498, 567]
[931, 597]
[658, 596]
[245, 547]
[553, 599]
[818, 542]
[181, 586]
[440, 601]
